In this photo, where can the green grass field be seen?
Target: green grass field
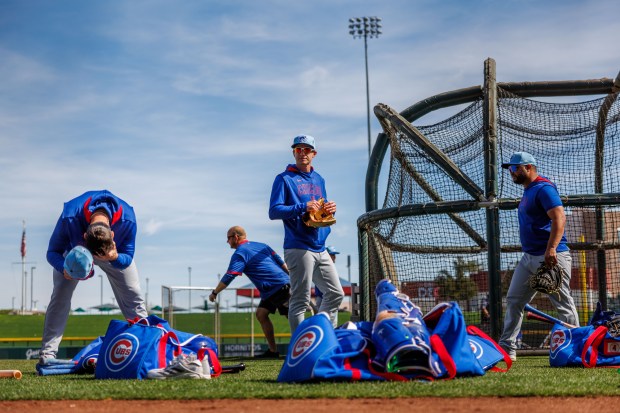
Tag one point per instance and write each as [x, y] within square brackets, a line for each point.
[530, 376]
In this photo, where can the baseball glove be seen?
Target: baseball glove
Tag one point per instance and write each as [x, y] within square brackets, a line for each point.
[613, 326]
[320, 218]
[547, 280]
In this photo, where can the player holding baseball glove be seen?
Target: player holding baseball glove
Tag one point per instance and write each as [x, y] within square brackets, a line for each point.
[298, 198]
[541, 230]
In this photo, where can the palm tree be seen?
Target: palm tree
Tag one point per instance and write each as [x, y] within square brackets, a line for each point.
[458, 286]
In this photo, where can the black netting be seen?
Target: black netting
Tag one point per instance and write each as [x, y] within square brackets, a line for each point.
[441, 255]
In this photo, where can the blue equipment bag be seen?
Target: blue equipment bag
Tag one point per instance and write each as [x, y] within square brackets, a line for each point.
[487, 351]
[318, 352]
[587, 346]
[597, 344]
[131, 348]
[351, 352]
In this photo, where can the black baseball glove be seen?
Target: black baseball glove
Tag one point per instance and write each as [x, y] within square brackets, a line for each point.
[613, 326]
[547, 280]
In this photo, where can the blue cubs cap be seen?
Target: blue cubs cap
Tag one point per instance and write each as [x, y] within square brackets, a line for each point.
[520, 158]
[79, 263]
[304, 140]
[331, 250]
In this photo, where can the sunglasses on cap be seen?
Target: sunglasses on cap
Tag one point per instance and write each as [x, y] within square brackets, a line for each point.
[514, 168]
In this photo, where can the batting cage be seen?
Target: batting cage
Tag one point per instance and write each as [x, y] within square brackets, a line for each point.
[448, 228]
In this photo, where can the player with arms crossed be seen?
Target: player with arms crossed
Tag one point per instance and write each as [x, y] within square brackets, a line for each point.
[268, 273]
[297, 192]
[106, 226]
[541, 230]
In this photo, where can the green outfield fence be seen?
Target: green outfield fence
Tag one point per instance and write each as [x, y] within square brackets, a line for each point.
[448, 228]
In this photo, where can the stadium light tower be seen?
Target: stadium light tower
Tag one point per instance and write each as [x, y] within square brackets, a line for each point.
[365, 27]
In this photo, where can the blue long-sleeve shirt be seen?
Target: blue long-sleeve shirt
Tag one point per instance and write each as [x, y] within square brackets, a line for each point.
[291, 190]
[75, 218]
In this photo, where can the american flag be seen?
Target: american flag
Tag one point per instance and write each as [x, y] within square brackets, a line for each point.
[23, 247]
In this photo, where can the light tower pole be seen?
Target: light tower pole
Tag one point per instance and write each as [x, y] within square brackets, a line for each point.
[189, 270]
[32, 301]
[146, 296]
[101, 291]
[365, 27]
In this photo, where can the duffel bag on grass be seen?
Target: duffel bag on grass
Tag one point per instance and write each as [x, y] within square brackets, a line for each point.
[131, 348]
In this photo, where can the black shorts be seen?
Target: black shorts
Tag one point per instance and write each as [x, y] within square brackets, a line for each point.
[277, 301]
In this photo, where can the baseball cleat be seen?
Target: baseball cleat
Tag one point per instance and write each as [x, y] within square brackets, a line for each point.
[181, 367]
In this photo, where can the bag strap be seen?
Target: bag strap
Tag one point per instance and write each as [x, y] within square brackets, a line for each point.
[214, 361]
[168, 336]
[445, 357]
[139, 320]
[356, 374]
[475, 331]
[593, 341]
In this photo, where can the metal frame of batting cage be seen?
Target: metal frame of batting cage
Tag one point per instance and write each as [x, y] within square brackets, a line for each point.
[487, 199]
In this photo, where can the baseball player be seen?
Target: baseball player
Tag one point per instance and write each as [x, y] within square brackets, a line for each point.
[295, 192]
[106, 226]
[268, 273]
[541, 230]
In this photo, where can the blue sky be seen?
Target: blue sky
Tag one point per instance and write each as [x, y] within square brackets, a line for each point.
[187, 109]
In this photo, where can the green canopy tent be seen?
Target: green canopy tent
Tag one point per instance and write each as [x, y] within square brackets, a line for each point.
[106, 307]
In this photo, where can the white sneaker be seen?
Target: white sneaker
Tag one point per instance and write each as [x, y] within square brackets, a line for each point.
[181, 367]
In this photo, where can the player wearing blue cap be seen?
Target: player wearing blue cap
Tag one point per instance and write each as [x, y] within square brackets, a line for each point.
[95, 228]
[295, 192]
[541, 230]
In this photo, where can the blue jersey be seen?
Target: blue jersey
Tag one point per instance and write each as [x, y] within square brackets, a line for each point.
[262, 266]
[291, 190]
[75, 218]
[534, 224]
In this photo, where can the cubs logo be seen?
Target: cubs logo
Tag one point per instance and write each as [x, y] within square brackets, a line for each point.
[558, 339]
[476, 348]
[306, 342]
[121, 351]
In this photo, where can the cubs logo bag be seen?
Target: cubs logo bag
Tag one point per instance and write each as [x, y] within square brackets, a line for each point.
[595, 345]
[131, 348]
[400, 345]
[318, 352]
[588, 346]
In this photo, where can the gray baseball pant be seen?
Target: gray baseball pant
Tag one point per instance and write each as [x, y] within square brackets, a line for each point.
[125, 285]
[519, 294]
[306, 267]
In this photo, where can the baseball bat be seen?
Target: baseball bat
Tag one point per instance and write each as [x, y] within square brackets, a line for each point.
[233, 368]
[547, 317]
[11, 374]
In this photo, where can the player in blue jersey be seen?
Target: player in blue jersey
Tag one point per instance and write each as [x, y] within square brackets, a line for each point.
[541, 230]
[106, 226]
[295, 192]
[268, 273]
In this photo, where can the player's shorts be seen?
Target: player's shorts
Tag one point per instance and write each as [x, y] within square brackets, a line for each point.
[277, 301]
